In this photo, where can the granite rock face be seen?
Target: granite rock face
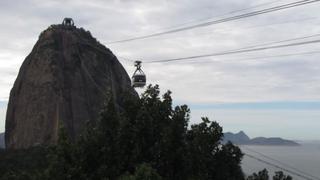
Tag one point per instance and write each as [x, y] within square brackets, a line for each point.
[64, 80]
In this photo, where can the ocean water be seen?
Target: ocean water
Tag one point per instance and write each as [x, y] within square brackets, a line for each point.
[303, 160]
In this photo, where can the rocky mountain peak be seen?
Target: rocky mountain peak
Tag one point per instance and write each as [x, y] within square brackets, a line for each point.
[63, 81]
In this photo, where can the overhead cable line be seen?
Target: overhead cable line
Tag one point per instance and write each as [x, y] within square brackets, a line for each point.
[222, 15]
[252, 46]
[245, 15]
[276, 42]
[236, 52]
[277, 161]
[278, 167]
[262, 57]
[245, 59]
[248, 27]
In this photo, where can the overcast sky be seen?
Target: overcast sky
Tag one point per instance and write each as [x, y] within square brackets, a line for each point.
[265, 96]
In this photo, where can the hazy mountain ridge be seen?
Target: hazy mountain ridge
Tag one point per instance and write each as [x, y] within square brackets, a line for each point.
[241, 138]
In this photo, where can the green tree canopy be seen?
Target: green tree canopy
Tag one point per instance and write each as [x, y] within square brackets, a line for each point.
[263, 175]
[147, 138]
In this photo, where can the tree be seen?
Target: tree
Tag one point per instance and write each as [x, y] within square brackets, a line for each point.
[143, 172]
[262, 175]
[173, 145]
[228, 160]
[23, 164]
[98, 151]
[208, 157]
[146, 172]
[62, 159]
[279, 175]
[145, 139]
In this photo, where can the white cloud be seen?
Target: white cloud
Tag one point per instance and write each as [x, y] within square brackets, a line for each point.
[289, 78]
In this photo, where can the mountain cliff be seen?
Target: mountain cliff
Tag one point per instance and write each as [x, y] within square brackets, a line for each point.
[242, 139]
[64, 81]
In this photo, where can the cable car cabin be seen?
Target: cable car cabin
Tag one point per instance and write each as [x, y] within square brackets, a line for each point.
[139, 80]
[138, 77]
[68, 22]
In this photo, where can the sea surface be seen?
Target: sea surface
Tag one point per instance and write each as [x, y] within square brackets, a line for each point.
[301, 162]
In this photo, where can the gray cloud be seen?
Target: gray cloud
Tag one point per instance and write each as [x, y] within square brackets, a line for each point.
[207, 80]
[218, 79]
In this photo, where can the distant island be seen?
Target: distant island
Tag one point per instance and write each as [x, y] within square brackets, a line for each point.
[241, 138]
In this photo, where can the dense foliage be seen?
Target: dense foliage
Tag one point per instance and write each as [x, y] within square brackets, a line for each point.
[23, 164]
[263, 175]
[147, 139]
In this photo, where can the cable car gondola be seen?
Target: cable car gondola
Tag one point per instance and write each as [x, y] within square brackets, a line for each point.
[138, 77]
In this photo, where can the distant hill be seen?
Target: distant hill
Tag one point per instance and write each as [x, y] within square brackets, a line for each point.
[2, 141]
[241, 138]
